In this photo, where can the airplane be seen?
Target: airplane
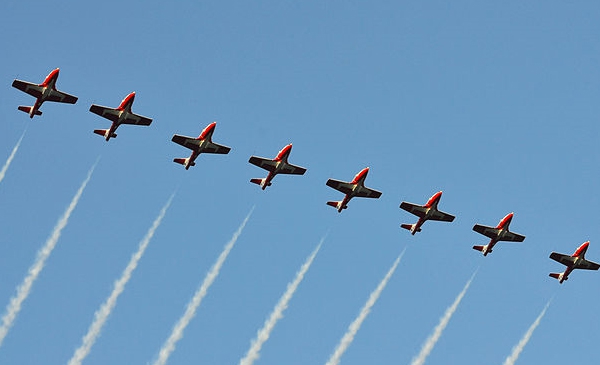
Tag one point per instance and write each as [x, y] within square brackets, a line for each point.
[575, 261]
[355, 188]
[121, 115]
[46, 91]
[429, 211]
[278, 165]
[202, 144]
[498, 233]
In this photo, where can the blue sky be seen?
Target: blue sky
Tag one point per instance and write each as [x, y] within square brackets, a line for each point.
[495, 104]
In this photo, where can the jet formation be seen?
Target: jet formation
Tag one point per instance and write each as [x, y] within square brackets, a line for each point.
[46, 91]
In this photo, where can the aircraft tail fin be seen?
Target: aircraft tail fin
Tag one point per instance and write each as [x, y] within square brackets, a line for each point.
[184, 162]
[337, 205]
[560, 277]
[104, 133]
[478, 248]
[27, 109]
[483, 249]
[411, 228]
[260, 182]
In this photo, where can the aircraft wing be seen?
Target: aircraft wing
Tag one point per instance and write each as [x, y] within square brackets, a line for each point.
[137, 119]
[490, 232]
[292, 169]
[105, 112]
[216, 148]
[60, 97]
[270, 165]
[587, 265]
[263, 163]
[31, 89]
[194, 144]
[342, 186]
[566, 260]
[368, 193]
[441, 216]
[415, 209]
[512, 237]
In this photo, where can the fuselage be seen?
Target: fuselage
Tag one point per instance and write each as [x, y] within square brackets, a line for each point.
[579, 257]
[430, 209]
[124, 110]
[280, 163]
[359, 186]
[47, 86]
[502, 228]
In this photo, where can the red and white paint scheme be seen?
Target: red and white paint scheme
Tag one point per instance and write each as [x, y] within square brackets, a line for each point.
[46, 91]
[278, 165]
[575, 261]
[202, 144]
[355, 188]
[121, 115]
[429, 211]
[498, 233]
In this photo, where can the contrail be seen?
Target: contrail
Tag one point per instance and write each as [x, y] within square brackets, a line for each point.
[106, 308]
[263, 334]
[9, 160]
[437, 332]
[14, 306]
[190, 311]
[521, 345]
[355, 326]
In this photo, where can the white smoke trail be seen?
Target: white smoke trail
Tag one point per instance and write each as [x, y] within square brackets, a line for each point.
[355, 326]
[10, 158]
[437, 332]
[14, 306]
[263, 334]
[190, 311]
[521, 345]
[104, 311]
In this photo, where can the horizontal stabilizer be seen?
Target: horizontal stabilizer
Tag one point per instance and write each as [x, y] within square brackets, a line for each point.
[103, 133]
[555, 275]
[411, 228]
[180, 161]
[256, 181]
[27, 109]
[479, 248]
[333, 204]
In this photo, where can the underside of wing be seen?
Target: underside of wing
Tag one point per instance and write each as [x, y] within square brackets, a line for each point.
[513, 237]
[137, 119]
[368, 193]
[105, 112]
[588, 265]
[415, 209]
[292, 169]
[563, 259]
[60, 97]
[216, 148]
[31, 89]
[263, 163]
[342, 186]
[485, 230]
[441, 216]
[188, 142]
